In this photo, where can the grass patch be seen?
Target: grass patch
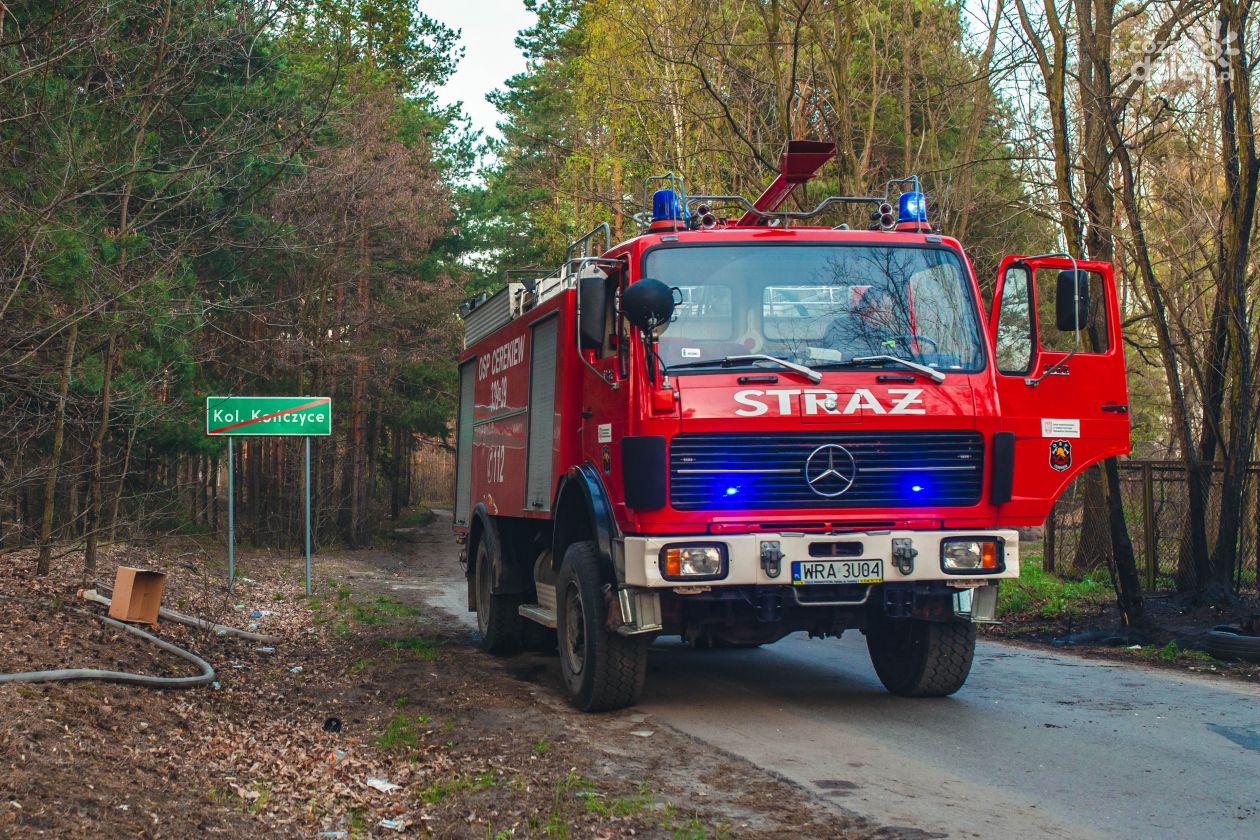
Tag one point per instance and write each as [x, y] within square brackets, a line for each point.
[354, 817]
[1172, 652]
[264, 796]
[344, 610]
[418, 516]
[426, 649]
[403, 732]
[541, 747]
[436, 792]
[621, 806]
[377, 611]
[1038, 593]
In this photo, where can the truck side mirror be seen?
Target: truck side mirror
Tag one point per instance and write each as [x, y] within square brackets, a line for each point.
[1071, 300]
[648, 304]
[592, 311]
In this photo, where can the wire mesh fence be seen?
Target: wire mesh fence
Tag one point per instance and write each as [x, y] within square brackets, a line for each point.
[1155, 495]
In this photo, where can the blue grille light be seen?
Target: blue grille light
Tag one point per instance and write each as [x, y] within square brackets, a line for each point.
[918, 488]
[912, 208]
[666, 207]
[732, 491]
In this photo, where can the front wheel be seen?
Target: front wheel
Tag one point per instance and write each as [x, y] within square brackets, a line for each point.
[602, 670]
[916, 658]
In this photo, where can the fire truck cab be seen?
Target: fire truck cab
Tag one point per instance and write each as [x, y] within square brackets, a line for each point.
[733, 429]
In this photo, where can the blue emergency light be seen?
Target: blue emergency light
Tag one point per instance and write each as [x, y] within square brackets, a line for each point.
[912, 208]
[666, 207]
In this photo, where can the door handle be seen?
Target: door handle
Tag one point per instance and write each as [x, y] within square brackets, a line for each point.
[1116, 408]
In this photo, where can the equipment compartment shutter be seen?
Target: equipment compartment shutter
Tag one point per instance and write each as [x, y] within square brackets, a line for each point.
[464, 442]
[542, 408]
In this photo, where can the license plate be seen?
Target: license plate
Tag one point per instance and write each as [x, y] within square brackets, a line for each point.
[837, 571]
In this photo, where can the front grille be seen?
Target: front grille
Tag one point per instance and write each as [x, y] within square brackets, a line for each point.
[756, 470]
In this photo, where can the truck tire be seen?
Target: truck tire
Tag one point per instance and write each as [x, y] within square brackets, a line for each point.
[916, 658]
[497, 618]
[602, 670]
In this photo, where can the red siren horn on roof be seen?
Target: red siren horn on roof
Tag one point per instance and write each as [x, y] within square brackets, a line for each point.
[799, 162]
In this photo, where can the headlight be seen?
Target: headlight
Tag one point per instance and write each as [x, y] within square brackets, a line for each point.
[970, 556]
[703, 561]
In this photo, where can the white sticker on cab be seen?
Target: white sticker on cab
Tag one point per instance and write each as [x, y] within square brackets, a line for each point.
[604, 432]
[690, 352]
[1057, 428]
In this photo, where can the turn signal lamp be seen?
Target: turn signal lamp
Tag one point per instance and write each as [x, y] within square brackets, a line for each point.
[693, 562]
[971, 556]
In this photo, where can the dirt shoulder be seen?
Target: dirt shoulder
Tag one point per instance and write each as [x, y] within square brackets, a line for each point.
[376, 716]
[1087, 622]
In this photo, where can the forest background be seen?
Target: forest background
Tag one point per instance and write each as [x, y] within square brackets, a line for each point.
[265, 197]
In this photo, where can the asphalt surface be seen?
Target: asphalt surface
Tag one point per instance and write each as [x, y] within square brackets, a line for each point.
[1035, 745]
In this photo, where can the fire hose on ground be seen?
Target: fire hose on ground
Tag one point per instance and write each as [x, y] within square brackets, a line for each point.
[206, 676]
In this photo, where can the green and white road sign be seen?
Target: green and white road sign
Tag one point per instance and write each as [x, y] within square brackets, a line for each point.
[242, 416]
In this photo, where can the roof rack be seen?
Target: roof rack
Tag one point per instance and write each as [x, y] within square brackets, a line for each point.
[749, 207]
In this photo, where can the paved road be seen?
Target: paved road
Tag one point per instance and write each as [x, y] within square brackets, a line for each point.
[1035, 745]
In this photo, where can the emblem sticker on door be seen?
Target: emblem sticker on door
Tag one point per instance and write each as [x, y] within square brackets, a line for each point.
[1060, 454]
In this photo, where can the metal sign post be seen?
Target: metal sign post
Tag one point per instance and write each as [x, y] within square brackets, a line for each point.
[231, 522]
[308, 515]
[269, 417]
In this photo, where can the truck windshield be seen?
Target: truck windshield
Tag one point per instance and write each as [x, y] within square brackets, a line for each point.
[818, 305]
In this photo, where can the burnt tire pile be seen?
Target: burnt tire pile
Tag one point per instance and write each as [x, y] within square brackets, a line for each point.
[1232, 645]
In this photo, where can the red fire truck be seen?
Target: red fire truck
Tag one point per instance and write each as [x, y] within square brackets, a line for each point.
[738, 425]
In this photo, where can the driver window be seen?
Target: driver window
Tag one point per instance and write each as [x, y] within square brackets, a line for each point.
[1015, 323]
[1094, 338]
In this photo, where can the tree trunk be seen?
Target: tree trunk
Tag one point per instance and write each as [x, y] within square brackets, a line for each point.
[59, 428]
[122, 482]
[98, 457]
[1124, 571]
[1095, 20]
[1093, 549]
[1241, 174]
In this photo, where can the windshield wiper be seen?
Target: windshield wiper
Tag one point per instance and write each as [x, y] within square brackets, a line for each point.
[927, 370]
[813, 375]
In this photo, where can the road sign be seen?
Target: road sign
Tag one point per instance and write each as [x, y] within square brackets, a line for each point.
[231, 417]
[241, 416]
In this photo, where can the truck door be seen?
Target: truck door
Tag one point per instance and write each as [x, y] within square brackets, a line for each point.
[602, 344]
[1060, 377]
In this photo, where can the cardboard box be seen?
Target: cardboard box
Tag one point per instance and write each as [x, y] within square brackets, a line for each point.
[137, 595]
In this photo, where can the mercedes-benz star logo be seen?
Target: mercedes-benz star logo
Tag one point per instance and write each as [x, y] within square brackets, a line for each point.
[830, 470]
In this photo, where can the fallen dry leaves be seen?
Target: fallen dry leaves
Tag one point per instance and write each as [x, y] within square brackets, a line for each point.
[462, 744]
